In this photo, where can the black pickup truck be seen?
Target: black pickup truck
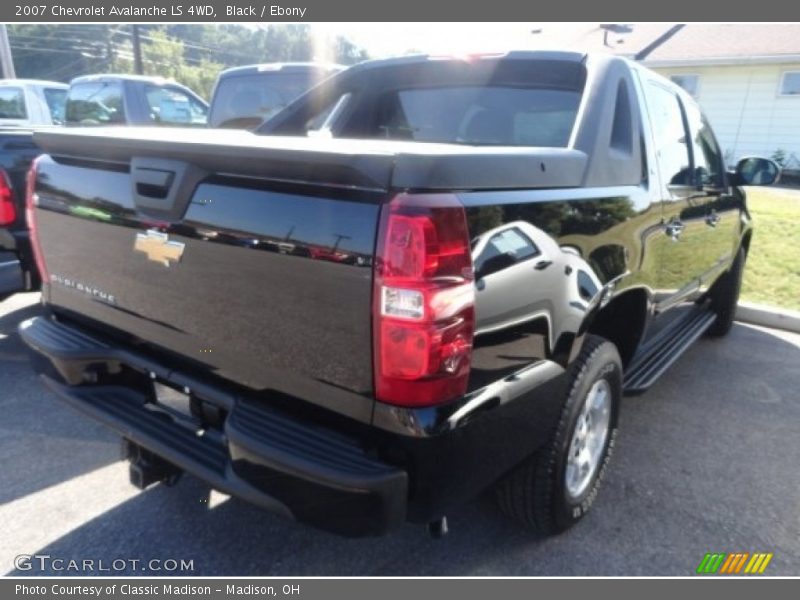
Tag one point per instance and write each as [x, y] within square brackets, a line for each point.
[427, 277]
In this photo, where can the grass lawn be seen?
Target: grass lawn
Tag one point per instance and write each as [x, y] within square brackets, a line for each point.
[772, 274]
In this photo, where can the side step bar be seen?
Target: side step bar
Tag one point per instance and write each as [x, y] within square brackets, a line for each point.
[660, 353]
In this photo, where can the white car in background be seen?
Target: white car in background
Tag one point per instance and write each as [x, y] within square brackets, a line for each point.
[30, 102]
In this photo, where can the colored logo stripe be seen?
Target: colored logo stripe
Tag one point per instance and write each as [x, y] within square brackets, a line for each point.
[758, 563]
[731, 564]
[739, 566]
[734, 563]
[710, 563]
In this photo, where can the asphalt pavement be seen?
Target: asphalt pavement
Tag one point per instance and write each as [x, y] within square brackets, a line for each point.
[707, 461]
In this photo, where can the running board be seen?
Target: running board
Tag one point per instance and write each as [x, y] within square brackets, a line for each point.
[661, 352]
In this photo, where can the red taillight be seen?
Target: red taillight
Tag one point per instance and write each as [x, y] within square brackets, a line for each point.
[424, 303]
[31, 201]
[8, 212]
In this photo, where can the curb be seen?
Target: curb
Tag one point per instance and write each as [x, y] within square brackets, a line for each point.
[768, 316]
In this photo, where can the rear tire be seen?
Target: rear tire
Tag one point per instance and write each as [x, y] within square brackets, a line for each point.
[724, 296]
[548, 492]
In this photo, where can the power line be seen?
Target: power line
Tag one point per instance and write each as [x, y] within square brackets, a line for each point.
[65, 67]
[55, 38]
[120, 50]
[29, 46]
[74, 30]
[98, 42]
[192, 45]
[114, 41]
[39, 49]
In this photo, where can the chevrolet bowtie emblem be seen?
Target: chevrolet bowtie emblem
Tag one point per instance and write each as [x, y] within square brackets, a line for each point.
[158, 247]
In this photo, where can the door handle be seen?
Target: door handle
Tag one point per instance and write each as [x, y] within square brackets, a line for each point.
[542, 265]
[674, 229]
[712, 219]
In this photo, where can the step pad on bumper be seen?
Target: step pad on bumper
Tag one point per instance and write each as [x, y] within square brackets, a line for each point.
[324, 448]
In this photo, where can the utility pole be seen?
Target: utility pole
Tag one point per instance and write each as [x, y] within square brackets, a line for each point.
[137, 51]
[6, 60]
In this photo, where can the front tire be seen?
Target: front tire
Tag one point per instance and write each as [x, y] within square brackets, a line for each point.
[725, 297]
[553, 489]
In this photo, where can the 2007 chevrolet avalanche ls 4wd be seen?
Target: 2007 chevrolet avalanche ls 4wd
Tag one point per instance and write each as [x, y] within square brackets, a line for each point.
[430, 276]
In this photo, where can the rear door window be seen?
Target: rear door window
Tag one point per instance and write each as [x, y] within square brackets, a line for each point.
[708, 160]
[95, 103]
[172, 106]
[479, 115]
[12, 103]
[669, 135]
[56, 100]
[245, 101]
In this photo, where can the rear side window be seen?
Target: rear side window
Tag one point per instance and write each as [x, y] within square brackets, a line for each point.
[172, 106]
[245, 101]
[479, 115]
[95, 103]
[669, 135]
[12, 103]
[56, 103]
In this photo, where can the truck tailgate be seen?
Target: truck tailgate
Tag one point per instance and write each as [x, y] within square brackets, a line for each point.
[262, 279]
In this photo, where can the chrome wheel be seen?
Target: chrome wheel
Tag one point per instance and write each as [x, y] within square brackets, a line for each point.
[588, 439]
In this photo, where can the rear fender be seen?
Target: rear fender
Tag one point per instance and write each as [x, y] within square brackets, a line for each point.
[554, 291]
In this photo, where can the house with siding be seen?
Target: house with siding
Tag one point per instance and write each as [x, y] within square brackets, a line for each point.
[746, 77]
[747, 80]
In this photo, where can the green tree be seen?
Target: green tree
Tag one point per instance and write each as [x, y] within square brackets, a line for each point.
[481, 220]
[163, 56]
[347, 53]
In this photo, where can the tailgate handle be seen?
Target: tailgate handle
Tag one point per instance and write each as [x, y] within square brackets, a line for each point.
[162, 188]
[153, 183]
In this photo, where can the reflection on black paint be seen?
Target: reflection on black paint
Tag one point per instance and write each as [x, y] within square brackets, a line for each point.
[247, 248]
[337, 228]
[589, 217]
[608, 261]
[257, 219]
[532, 296]
[528, 313]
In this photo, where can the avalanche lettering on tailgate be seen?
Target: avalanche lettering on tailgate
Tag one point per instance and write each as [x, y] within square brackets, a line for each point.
[84, 288]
